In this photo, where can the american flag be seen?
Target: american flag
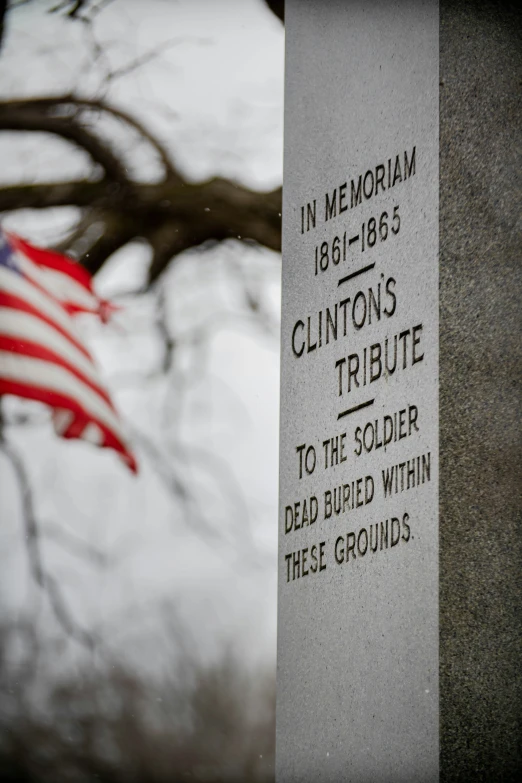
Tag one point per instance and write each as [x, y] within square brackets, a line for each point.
[42, 355]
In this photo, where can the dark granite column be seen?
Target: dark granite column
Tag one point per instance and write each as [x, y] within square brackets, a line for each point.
[480, 375]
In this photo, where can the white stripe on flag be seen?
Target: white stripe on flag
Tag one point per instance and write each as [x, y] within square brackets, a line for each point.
[44, 375]
[92, 434]
[15, 284]
[24, 326]
[58, 284]
[62, 419]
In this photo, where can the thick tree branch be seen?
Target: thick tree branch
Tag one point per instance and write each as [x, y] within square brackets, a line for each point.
[22, 120]
[213, 211]
[77, 104]
[116, 234]
[277, 7]
[172, 215]
[3, 9]
[55, 194]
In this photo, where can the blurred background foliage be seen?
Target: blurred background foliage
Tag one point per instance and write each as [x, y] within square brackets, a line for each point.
[137, 617]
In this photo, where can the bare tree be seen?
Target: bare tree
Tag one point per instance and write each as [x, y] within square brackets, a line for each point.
[226, 730]
[171, 215]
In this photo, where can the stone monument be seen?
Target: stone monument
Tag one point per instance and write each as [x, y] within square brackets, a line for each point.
[399, 551]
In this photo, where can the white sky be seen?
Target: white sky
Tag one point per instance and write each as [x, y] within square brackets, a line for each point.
[215, 97]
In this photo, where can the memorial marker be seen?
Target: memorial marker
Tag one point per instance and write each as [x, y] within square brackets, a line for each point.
[359, 629]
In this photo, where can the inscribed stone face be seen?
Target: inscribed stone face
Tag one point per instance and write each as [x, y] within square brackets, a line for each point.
[358, 517]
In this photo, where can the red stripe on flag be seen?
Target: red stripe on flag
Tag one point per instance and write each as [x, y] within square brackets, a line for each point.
[56, 400]
[73, 309]
[52, 260]
[69, 307]
[16, 303]
[28, 348]
[75, 429]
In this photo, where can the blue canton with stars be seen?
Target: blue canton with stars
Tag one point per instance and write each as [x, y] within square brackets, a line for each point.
[7, 255]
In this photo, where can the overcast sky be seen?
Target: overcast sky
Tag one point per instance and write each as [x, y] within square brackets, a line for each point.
[214, 95]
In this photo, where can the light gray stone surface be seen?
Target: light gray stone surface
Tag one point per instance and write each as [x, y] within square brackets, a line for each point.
[357, 688]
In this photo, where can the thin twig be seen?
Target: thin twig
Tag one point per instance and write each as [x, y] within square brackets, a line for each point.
[47, 583]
